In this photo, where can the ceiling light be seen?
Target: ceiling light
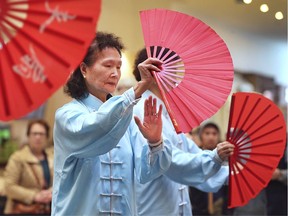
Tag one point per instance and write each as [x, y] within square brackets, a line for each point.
[279, 15]
[247, 1]
[264, 8]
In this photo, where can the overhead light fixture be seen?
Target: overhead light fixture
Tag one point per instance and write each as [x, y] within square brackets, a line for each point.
[279, 15]
[264, 8]
[247, 1]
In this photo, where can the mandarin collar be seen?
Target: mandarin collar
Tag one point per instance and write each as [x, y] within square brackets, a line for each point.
[93, 103]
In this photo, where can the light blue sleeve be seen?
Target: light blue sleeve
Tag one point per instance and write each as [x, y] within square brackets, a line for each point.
[190, 145]
[215, 182]
[210, 178]
[192, 168]
[80, 133]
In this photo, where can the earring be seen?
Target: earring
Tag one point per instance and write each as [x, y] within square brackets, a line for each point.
[84, 76]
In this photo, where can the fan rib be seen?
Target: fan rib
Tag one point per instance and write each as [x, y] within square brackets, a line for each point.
[163, 83]
[255, 162]
[174, 66]
[154, 51]
[51, 53]
[161, 52]
[163, 58]
[19, 82]
[45, 13]
[252, 122]
[49, 30]
[239, 117]
[263, 125]
[195, 101]
[169, 110]
[244, 178]
[261, 136]
[237, 183]
[241, 132]
[261, 145]
[173, 62]
[170, 58]
[262, 154]
[253, 174]
[193, 115]
[175, 70]
[3, 87]
[170, 74]
[168, 82]
[171, 78]
[21, 50]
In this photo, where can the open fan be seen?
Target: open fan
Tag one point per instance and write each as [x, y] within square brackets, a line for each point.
[41, 42]
[197, 73]
[257, 129]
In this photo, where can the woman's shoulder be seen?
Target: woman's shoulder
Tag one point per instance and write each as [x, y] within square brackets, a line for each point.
[72, 106]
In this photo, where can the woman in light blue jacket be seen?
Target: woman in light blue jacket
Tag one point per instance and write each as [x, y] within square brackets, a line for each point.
[95, 156]
[168, 194]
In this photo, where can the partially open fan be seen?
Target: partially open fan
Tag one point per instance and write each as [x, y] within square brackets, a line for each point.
[257, 129]
[41, 42]
[197, 73]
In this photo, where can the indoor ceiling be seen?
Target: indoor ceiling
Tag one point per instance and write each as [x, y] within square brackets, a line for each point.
[245, 17]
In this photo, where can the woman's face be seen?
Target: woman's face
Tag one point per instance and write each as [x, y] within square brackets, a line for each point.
[102, 77]
[37, 137]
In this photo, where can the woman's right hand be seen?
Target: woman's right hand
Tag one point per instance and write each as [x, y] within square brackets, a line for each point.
[146, 68]
[43, 196]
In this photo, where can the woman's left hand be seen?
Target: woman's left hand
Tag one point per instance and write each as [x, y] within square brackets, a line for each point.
[151, 128]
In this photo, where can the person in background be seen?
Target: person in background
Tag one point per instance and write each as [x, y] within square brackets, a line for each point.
[95, 155]
[194, 135]
[167, 195]
[276, 190]
[29, 173]
[207, 203]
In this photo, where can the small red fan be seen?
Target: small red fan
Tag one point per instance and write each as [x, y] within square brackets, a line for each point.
[197, 71]
[257, 129]
[41, 42]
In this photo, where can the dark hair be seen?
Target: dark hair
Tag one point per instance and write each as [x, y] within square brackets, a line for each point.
[208, 125]
[38, 121]
[75, 86]
[142, 56]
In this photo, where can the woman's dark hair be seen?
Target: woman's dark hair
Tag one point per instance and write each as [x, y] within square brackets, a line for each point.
[140, 57]
[75, 86]
[38, 121]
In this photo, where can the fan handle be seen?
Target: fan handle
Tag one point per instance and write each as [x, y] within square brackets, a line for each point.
[170, 112]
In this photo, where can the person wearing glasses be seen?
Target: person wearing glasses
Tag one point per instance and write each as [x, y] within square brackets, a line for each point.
[29, 173]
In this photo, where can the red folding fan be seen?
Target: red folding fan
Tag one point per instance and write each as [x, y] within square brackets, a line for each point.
[257, 129]
[41, 42]
[197, 72]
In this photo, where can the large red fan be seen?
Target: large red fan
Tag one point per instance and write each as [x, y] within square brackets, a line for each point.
[197, 73]
[41, 42]
[257, 129]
